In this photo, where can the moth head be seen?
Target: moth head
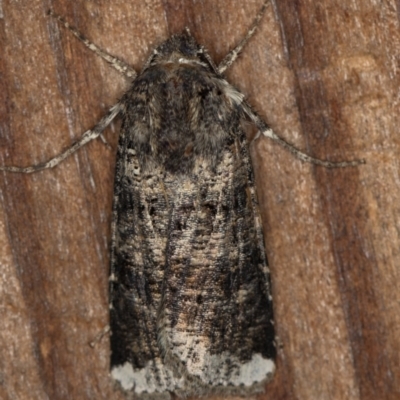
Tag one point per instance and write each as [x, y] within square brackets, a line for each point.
[181, 49]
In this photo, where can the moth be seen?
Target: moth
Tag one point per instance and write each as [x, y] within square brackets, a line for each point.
[190, 297]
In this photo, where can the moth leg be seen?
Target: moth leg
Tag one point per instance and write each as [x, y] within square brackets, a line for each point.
[269, 133]
[106, 330]
[116, 63]
[104, 140]
[233, 54]
[86, 138]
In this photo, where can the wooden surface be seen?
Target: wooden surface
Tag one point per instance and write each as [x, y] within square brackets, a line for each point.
[325, 75]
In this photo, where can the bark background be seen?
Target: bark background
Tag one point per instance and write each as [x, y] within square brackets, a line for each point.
[324, 75]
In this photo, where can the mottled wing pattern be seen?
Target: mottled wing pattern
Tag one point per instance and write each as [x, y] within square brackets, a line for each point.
[138, 258]
[190, 305]
[216, 307]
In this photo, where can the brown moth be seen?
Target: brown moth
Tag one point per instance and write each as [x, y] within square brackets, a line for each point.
[190, 299]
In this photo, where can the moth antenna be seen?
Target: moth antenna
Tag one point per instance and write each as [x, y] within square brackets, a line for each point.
[265, 130]
[268, 132]
[115, 62]
[233, 54]
[86, 138]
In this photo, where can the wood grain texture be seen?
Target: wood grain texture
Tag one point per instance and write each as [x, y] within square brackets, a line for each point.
[325, 76]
